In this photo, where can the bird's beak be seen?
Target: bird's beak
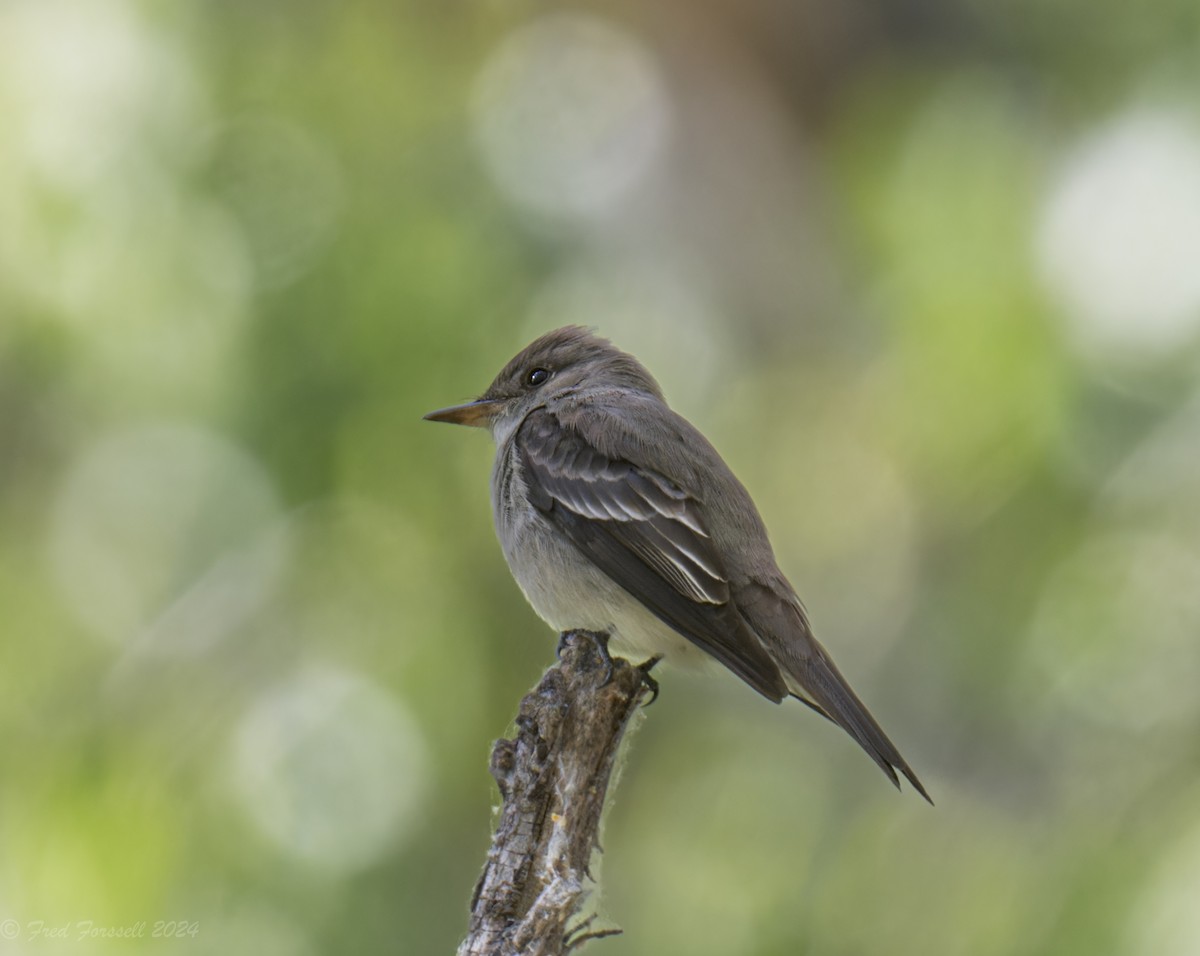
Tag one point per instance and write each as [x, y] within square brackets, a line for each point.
[478, 413]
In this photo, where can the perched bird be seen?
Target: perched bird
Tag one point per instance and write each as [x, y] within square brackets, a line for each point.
[618, 517]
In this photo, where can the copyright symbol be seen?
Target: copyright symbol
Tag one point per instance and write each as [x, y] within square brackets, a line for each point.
[10, 929]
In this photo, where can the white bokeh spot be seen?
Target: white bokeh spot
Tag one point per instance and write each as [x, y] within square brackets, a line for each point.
[331, 768]
[1119, 237]
[165, 538]
[570, 113]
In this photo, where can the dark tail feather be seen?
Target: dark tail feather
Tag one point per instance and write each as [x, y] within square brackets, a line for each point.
[832, 697]
[775, 614]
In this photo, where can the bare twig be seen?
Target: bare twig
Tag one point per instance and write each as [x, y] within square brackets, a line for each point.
[554, 778]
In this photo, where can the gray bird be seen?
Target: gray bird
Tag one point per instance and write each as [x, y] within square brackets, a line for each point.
[618, 517]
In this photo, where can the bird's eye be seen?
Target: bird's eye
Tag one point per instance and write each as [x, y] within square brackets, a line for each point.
[537, 377]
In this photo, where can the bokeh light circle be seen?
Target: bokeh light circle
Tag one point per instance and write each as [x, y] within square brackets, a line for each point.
[569, 113]
[1114, 632]
[1119, 235]
[165, 534]
[331, 768]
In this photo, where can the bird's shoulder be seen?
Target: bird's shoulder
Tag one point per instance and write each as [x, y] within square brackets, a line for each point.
[636, 428]
[576, 461]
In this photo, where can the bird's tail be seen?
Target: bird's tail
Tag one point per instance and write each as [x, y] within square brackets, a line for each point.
[816, 681]
[775, 614]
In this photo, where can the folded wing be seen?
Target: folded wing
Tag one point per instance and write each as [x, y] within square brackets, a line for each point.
[649, 536]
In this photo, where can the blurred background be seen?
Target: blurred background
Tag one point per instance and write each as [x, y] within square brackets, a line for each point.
[928, 274]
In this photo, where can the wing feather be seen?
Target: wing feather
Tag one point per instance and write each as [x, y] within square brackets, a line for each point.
[648, 535]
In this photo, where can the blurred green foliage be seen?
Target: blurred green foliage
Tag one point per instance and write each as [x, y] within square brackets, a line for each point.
[926, 273]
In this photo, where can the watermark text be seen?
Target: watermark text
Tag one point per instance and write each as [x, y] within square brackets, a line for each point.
[82, 930]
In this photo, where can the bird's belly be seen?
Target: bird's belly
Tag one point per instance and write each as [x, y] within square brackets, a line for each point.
[569, 593]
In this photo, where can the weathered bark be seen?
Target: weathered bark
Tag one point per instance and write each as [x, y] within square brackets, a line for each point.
[554, 778]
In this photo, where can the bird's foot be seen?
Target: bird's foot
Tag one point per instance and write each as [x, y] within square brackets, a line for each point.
[646, 667]
[599, 641]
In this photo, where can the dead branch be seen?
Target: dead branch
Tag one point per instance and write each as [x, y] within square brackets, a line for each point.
[553, 778]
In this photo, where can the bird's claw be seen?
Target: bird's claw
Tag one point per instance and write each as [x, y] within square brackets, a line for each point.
[645, 667]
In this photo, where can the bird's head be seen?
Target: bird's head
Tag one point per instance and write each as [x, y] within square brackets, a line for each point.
[567, 359]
